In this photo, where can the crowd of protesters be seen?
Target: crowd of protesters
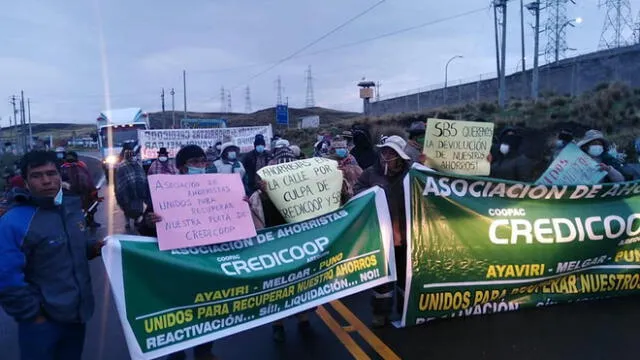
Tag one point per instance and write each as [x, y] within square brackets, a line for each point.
[52, 193]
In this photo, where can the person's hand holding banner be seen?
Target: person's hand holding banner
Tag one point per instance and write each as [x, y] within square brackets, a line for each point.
[200, 210]
[573, 167]
[303, 189]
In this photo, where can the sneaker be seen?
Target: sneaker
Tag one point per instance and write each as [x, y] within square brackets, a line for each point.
[278, 333]
[379, 321]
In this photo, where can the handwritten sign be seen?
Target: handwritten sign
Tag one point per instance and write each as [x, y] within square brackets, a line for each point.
[572, 167]
[200, 209]
[304, 189]
[459, 147]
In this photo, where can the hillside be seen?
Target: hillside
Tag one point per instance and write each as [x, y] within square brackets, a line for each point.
[263, 117]
[58, 131]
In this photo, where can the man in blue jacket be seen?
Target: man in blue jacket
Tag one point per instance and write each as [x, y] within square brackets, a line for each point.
[45, 284]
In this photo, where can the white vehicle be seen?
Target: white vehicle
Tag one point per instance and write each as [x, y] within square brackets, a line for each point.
[116, 128]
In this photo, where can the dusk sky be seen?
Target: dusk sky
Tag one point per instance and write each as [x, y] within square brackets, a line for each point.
[74, 58]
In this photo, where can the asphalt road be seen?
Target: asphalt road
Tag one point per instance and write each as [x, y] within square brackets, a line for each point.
[595, 330]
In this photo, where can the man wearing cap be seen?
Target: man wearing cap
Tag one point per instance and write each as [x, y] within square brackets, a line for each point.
[594, 144]
[190, 160]
[414, 146]
[162, 165]
[388, 173]
[255, 160]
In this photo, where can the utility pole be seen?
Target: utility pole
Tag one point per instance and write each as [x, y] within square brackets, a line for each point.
[534, 7]
[23, 123]
[279, 91]
[229, 108]
[184, 87]
[309, 101]
[15, 119]
[495, 25]
[223, 100]
[500, 7]
[162, 99]
[173, 107]
[524, 58]
[30, 132]
[247, 100]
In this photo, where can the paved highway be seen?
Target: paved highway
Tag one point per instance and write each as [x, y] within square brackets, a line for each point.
[596, 330]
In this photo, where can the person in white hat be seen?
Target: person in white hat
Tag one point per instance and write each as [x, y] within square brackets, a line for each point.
[388, 173]
[594, 144]
[229, 163]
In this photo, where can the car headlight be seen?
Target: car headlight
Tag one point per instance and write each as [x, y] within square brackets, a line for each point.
[111, 160]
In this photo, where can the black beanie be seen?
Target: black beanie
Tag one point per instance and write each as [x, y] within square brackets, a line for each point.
[188, 152]
[259, 140]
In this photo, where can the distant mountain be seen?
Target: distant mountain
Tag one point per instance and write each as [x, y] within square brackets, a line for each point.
[161, 120]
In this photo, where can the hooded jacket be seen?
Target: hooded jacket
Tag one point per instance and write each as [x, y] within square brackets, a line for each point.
[44, 260]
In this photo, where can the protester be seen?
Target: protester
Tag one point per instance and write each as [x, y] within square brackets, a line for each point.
[76, 173]
[297, 152]
[282, 153]
[388, 173]
[417, 132]
[565, 137]
[229, 163]
[255, 160]
[213, 153]
[321, 148]
[363, 148]
[190, 160]
[509, 163]
[351, 171]
[348, 135]
[45, 282]
[162, 165]
[131, 187]
[595, 145]
[16, 181]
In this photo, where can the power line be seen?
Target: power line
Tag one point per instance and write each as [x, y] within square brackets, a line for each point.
[334, 30]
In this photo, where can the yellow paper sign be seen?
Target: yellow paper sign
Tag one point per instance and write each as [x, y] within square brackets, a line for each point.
[459, 147]
[304, 189]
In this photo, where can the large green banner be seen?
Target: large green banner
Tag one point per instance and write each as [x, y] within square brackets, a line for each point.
[483, 246]
[173, 300]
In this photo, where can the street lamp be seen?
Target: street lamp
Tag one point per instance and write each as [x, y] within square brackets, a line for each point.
[578, 21]
[446, 76]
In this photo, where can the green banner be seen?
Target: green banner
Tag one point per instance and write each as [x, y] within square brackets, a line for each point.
[483, 246]
[173, 300]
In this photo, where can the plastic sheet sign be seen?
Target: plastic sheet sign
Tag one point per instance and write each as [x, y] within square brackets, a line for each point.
[304, 189]
[459, 147]
[572, 167]
[200, 209]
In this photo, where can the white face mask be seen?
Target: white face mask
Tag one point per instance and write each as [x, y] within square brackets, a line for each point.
[504, 149]
[595, 150]
[163, 158]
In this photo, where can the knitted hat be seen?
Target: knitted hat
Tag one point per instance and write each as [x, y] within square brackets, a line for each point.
[188, 152]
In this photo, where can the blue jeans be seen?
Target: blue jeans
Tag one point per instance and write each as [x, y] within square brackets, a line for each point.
[50, 341]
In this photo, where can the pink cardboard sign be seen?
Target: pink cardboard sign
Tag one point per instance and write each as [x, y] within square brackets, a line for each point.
[200, 210]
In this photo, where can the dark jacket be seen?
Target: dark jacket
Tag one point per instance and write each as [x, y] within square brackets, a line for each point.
[394, 191]
[363, 151]
[514, 167]
[250, 162]
[44, 260]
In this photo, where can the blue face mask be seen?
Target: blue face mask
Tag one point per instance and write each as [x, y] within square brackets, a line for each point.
[341, 153]
[260, 148]
[231, 155]
[57, 201]
[195, 170]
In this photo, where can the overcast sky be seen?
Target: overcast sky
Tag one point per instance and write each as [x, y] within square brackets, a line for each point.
[74, 58]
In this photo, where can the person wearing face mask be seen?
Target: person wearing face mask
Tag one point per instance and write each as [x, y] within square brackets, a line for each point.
[229, 163]
[351, 171]
[131, 187]
[45, 248]
[162, 165]
[564, 137]
[190, 160]
[255, 160]
[388, 173]
[417, 133]
[594, 144]
[509, 163]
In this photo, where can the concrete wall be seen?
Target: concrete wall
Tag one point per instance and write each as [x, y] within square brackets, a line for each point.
[571, 76]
